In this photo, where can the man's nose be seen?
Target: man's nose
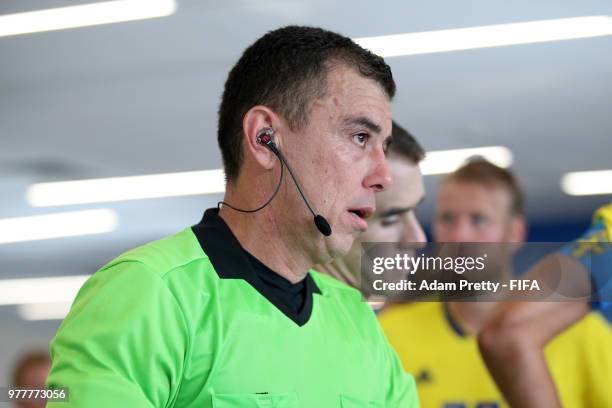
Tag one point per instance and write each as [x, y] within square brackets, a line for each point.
[379, 178]
[412, 230]
[459, 231]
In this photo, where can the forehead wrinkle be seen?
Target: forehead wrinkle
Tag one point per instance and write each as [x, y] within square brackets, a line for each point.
[363, 121]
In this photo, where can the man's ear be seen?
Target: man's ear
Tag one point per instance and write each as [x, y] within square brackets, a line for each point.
[518, 229]
[259, 118]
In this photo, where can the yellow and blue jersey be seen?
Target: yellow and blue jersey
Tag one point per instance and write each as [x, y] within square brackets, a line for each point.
[450, 373]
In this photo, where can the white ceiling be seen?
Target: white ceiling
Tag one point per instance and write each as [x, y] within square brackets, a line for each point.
[141, 98]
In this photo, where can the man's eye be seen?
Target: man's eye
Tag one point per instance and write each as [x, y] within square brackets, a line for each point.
[389, 221]
[479, 219]
[446, 218]
[361, 139]
[386, 145]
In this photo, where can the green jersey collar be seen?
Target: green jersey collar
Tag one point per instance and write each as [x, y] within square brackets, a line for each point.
[231, 262]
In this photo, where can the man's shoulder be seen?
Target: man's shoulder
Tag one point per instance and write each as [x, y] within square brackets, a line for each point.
[343, 297]
[415, 324]
[589, 332]
[580, 359]
[166, 254]
[331, 286]
[398, 313]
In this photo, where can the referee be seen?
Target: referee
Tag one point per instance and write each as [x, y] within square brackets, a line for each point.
[229, 313]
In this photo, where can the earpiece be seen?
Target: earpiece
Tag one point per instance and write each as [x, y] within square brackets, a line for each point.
[264, 138]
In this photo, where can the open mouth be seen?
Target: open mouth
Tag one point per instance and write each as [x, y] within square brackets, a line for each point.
[359, 216]
[359, 213]
[362, 213]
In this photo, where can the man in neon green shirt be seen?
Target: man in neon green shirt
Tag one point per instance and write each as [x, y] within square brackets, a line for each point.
[228, 313]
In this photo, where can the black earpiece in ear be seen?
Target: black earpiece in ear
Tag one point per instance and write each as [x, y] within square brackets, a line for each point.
[264, 138]
[265, 135]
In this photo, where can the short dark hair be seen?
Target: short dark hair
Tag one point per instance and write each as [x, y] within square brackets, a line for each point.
[481, 171]
[27, 362]
[405, 145]
[287, 70]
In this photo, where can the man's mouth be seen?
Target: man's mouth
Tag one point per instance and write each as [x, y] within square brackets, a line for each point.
[359, 216]
[362, 213]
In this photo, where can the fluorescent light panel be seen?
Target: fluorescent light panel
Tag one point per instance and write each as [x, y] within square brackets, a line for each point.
[447, 161]
[487, 36]
[126, 188]
[84, 16]
[67, 224]
[44, 311]
[59, 289]
[209, 181]
[580, 183]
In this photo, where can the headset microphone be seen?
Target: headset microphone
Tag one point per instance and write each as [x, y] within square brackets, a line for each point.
[265, 138]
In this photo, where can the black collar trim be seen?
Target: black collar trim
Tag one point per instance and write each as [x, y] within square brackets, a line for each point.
[231, 262]
[452, 322]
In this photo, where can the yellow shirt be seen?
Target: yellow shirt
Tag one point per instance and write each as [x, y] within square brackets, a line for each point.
[449, 371]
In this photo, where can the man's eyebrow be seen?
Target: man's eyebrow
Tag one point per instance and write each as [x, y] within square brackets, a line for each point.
[362, 121]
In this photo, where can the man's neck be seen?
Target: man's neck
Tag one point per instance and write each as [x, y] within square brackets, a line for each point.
[260, 235]
[472, 316]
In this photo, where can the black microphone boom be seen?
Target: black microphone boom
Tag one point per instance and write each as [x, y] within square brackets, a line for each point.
[322, 225]
[320, 221]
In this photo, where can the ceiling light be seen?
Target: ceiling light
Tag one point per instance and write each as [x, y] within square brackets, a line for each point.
[44, 311]
[66, 224]
[84, 15]
[447, 161]
[57, 289]
[581, 183]
[487, 36]
[126, 188]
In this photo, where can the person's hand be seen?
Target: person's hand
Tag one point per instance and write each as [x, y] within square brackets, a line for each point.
[512, 344]
[594, 251]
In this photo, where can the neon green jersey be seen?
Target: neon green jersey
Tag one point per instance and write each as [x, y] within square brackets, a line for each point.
[180, 322]
[449, 371]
